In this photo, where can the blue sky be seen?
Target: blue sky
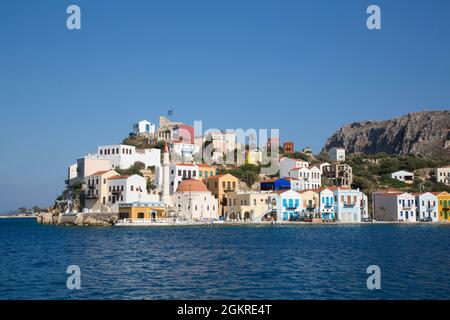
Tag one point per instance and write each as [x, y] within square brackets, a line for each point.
[306, 67]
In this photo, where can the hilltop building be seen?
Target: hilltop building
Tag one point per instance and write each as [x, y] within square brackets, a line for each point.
[288, 147]
[124, 156]
[339, 174]
[337, 154]
[403, 176]
[144, 127]
[443, 175]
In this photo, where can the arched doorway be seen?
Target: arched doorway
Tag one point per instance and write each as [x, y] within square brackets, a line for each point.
[247, 216]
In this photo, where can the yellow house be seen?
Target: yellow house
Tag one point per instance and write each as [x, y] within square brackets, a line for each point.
[205, 170]
[219, 185]
[443, 206]
[139, 211]
[253, 157]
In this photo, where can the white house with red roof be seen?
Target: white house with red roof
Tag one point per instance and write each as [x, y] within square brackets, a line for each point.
[311, 177]
[287, 164]
[394, 206]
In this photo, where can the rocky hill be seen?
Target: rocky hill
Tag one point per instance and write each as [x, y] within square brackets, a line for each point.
[425, 133]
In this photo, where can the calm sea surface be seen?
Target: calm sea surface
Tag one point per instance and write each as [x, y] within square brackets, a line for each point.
[282, 262]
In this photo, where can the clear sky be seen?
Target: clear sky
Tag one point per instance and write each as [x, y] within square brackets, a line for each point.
[306, 67]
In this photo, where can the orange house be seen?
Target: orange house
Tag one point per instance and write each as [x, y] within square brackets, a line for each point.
[443, 206]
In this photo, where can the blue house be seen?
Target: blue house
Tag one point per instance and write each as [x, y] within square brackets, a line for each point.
[275, 184]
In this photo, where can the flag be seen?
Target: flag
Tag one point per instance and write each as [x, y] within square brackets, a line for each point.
[170, 112]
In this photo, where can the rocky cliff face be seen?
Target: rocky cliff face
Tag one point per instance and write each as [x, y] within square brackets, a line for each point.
[425, 133]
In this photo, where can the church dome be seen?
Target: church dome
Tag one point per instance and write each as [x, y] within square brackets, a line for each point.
[192, 185]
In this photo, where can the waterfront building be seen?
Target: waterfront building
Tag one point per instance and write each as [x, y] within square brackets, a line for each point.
[394, 206]
[142, 211]
[124, 156]
[193, 201]
[127, 189]
[365, 207]
[339, 174]
[403, 176]
[288, 147]
[443, 175]
[180, 172]
[220, 185]
[253, 157]
[95, 190]
[287, 164]
[337, 154]
[247, 205]
[327, 204]
[144, 127]
[205, 170]
[310, 204]
[427, 206]
[443, 206]
[310, 176]
[285, 205]
[348, 204]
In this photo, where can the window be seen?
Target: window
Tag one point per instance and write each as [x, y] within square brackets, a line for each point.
[132, 188]
[140, 215]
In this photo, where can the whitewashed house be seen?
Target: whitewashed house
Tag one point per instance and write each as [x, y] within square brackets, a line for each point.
[127, 189]
[403, 176]
[394, 206]
[287, 164]
[144, 127]
[327, 204]
[310, 176]
[443, 175]
[124, 156]
[180, 172]
[427, 206]
[348, 205]
[285, 204]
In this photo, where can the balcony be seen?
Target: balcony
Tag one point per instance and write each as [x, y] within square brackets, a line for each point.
[430, 209]
[349, 205]
[91, 195]
[116, 192]
[446, 208]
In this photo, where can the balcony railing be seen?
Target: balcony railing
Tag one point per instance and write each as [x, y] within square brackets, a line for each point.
[91, 195]
[349, 205]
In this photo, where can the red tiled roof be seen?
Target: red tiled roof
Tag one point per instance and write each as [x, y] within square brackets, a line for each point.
[99, 173]
[118, 177]
[204, 165]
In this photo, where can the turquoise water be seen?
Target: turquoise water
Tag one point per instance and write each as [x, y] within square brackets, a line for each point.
[282, 262]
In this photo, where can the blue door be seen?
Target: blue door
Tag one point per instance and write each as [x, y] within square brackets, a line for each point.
[285, 216]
